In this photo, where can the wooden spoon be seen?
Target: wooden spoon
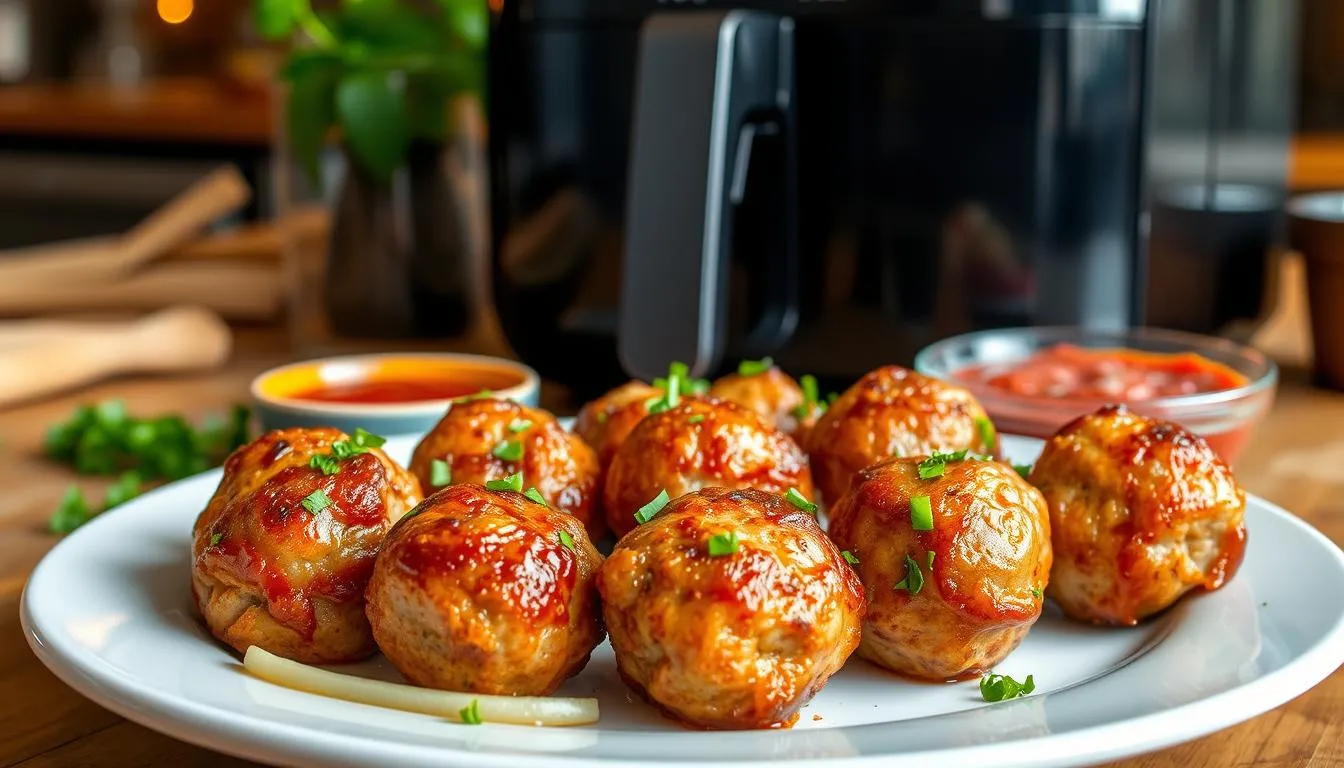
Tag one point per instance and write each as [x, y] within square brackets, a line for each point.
[44, 357]
[94, 260]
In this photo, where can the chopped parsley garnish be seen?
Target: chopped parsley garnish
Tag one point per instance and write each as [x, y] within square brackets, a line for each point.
[103, 439]
[1002, 687]
[484, 394]
[126, 487]
[645, 513]
[72, 512]
[440, 473]
[1022, 469]
[1036, 592]
[535, 495]
[520, 425]
[755, 367]
[812, 402]
[930, 563]
[921, 513]
[566, 540]
[471, 714]
[316, 501]
[914, 578]
[985, 428]
[513, 483]
[325, 464]
[681, 374]
[669, 399]
[362, 442]
[215, 539]
[800, 501]
[723, 544]
[508, 450]
[696, 419]
[366, 439]
[936, 464]
[850, 557]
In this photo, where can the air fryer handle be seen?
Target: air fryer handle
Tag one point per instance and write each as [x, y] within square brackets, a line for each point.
[703, 81]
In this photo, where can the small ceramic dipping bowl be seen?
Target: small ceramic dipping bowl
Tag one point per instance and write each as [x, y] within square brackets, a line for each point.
[387, 394]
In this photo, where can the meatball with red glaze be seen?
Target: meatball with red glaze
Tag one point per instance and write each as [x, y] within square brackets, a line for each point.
[1141, 512]
[697, 444]
[604, 423]
[952, 593]
[893, 412]
[486, 592]
[770, 392]
[482, 440]
[282, 553]
[730, 609]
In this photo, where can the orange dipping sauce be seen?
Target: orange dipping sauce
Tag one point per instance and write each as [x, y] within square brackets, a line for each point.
[1068, 372]
[399, 382]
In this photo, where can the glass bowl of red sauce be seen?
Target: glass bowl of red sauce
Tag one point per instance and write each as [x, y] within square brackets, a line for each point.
[1033, 381]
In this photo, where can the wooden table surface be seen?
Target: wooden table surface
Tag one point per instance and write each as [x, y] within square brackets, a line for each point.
[1294, 460]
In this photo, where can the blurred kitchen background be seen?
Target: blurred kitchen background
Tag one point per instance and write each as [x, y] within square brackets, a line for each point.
[110, 108]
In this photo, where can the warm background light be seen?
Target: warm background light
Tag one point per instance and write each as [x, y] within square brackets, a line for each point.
[176, 11]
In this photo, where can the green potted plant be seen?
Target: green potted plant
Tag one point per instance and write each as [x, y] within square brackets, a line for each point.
[380, 81]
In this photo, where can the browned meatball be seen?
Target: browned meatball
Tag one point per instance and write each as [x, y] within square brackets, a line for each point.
[1141, 512]
[281, 554]
[487, 592]
[771, 393]
[604, 423]
[490, 439]
[953, 601]
[697, 444]
[893, 412]
[730, 609]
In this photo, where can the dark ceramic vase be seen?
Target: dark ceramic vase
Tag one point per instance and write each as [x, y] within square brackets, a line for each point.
[399, 259]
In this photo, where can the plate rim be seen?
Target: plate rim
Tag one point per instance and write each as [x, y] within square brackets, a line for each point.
[269, 741]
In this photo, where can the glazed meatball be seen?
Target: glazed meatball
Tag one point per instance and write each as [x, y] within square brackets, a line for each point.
[604, 423]
[730, 609]
[486, 592]
[697, 444]
[282, 553]
[482, 440]
[950, 601]
[894, 412]
[1141, 512]
[771, 393]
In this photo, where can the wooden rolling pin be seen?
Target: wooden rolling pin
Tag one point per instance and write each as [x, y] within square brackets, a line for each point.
[43, 357]
[248, 292]
[99, 260]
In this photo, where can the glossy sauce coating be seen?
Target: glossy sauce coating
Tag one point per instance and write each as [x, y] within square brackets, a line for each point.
[741, 640]
[267, 571]
[991, 553]
[700, 443]
[1142, 512]
[772, 394]
[604, 423]
[478, 591]
[557, 463]
[889, 412]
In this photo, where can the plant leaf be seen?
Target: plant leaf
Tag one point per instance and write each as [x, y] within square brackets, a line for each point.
[311, 112]
[372, 111]
[469, 20]
[275, 19]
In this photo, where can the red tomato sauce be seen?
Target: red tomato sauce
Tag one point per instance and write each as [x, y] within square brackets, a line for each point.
[408, 390]
[1068, 372]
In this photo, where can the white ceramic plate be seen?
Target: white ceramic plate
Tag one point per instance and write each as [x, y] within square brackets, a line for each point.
[109, 612]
